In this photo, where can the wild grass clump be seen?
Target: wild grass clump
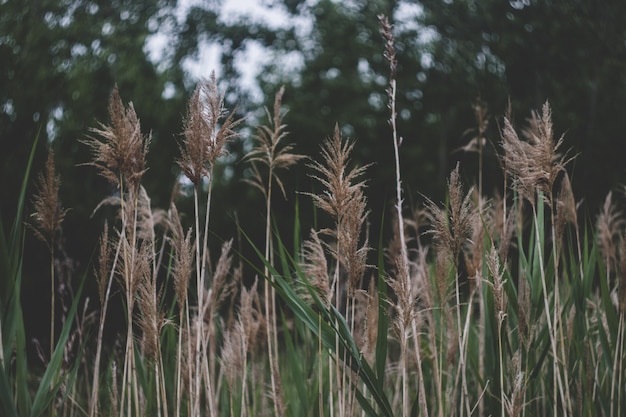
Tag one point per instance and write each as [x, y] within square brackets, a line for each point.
[507, 304]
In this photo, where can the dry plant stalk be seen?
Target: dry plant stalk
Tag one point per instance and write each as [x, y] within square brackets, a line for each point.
[207, 129]
[451, 230]
[239, 341]
[344, 201]
[270, 152]
[119, 156]
[47, 217]
[104, 275]
[386, 30]
[534, 165]
[181, 271]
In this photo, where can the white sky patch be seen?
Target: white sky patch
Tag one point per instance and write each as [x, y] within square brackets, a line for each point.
[406, 15]
[250, 59]
[248, 63]
[208, 60]
[252, 10]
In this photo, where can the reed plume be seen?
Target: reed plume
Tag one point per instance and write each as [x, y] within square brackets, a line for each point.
[536, 161]
[344, 201]
[609, 224]
[451, 229]
[271, 153]
[47, 216]
[119, 151]
[48, 213]
[208, 127]
[119, 154]
[315, 267]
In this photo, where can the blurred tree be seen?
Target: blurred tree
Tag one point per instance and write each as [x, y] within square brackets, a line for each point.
[570, 53]
[450, 54]
[343, 79]
[59, 60]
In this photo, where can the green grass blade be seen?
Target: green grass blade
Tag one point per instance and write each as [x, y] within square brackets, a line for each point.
[17, 225]
[383, 317]
[50, 382]
[299, 377]
[6, 396]
[332, 327]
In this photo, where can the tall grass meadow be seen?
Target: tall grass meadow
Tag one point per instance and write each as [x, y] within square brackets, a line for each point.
[510, 304]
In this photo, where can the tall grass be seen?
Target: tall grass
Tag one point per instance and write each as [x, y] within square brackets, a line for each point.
[507, 305]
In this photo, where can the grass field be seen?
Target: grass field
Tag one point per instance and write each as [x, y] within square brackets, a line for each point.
[501, 305]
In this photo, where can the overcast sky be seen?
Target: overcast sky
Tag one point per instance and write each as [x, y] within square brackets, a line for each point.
[249, 60]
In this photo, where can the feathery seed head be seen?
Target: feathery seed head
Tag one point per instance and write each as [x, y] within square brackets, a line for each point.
[344, 200]
[104, 261]
[565, 207]
[386, 30]
[233, 353]
[451, 229]
[269, 150]
[315, 267]
[250, 317]
[499, 294]
[223, 287]
[144, 289]
[371, 322]
[48, 213]
[536, 162]
[183, 255]
[204, 137]
[609, 225]
[621, 283]
[120, 154]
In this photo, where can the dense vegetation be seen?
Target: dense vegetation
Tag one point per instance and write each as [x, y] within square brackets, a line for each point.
[394, 274]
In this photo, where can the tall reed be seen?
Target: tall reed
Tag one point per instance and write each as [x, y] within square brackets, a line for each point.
[499, 306]
[47, 217]
[271, 152]
[208, 128]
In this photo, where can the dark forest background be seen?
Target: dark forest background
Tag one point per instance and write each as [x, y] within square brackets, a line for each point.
[60, 59]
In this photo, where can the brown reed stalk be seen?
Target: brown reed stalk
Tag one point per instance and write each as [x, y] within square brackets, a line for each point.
[386, 30]
[315, 267]
[181, 271]
[47, 217]
[104, 275]
[119, 152]
[271, 152]
[476, 144]
[344, 201]
[451, 230]
[478, 139]
[610, 236]
[500, 304]
[534, 164]
[224, 286]
[239, 341]
[207, 129]
[609, 222]
[473, 253]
